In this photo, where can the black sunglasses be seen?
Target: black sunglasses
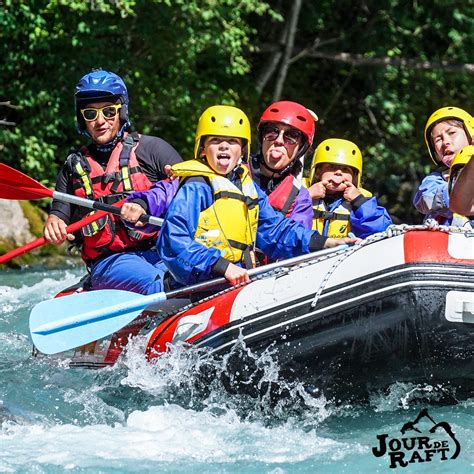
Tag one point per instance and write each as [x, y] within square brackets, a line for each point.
[290, 136]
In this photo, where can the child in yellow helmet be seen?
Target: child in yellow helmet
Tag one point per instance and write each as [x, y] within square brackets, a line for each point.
[461, 188]
[340, 204]
[218, 214]
[447, 131]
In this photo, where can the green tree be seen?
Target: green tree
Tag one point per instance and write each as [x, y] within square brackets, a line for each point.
[372, 70]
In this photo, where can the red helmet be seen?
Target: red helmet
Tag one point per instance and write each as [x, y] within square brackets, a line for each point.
[291, 113]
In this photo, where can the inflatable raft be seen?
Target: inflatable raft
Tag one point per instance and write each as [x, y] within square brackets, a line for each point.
[399, 307]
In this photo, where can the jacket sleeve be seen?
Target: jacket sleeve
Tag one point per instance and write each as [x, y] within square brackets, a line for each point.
[369, 218]
[279, 237]
[155, 200]
[188, 261]
[432, 197]
[303, 210]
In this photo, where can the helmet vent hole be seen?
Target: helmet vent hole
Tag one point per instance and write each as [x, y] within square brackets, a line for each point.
[275, 111]
[241, 121]
[213, 119]
[353, 152]
[300, 117]
[328, 148]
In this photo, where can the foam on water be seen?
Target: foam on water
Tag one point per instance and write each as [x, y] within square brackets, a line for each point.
[40, 286]
[167, 433]
[180, 413]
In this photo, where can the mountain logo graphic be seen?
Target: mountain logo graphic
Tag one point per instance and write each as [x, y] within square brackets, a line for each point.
[421, 440]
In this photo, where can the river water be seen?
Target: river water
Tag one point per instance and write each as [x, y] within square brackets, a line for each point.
[141, 417]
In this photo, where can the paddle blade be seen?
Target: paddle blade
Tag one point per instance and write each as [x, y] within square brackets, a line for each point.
[16, 185]
[64, 323]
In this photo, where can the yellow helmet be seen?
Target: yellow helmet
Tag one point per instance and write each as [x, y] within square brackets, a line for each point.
[447, 113]
[460, 160]
[337, 151]
[222, 121]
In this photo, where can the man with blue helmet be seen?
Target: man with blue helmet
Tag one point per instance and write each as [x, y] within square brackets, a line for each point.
[114, 164]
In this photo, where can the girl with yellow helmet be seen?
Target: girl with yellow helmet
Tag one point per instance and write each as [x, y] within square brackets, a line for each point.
[447, 131]
[218, 215]
[340, 205]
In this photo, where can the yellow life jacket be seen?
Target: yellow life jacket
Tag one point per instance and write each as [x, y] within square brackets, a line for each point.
[230, 223]
[338, 219]
[462, 221]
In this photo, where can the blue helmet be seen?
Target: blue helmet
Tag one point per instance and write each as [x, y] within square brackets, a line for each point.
[101, 86]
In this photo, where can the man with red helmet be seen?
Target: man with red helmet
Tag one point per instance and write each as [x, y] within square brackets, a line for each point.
[285, 132]
[114, 164]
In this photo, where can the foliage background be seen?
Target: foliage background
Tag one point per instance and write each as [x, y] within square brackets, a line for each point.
[373, 71]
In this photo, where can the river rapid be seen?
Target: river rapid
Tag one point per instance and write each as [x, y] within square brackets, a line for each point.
[140, 417]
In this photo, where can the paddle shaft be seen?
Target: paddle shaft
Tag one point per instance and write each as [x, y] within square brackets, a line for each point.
[16, 185]
[64, 323]
[256, 271]
[78, 201]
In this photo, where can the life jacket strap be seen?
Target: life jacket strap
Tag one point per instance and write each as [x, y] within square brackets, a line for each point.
[329, 215]
[247, 200]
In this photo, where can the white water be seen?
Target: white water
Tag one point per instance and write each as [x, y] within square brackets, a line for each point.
[143, 417]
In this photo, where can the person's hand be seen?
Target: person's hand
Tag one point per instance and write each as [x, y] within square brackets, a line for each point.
[169, 172]
[332, 242]
[131, 212]
[55, 230]
[235, 275]
[318, 190]
[351, 191]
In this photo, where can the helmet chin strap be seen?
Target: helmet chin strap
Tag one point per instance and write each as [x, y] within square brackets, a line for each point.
[273, 170]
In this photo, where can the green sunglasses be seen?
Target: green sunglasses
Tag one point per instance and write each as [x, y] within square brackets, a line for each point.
[109, 111]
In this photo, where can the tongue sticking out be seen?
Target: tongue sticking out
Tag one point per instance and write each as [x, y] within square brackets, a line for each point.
[276, 155]
[336, 181]
[223, 159]
[447, 157]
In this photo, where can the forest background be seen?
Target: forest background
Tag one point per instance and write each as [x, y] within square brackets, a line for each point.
[372, 70]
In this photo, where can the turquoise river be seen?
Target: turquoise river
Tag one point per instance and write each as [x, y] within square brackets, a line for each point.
[138, 417]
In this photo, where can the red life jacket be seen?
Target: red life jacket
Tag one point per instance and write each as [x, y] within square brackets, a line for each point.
[283, 197]
[122, 175]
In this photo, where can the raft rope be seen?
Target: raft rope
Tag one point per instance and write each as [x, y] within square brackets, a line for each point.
[392, 231]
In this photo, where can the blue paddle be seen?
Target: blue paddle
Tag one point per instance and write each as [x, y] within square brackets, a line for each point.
[67, 322]
[71, 321]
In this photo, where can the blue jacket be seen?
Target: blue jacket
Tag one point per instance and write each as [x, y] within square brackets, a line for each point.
[366, 216]
[190, 262]
[432, 198]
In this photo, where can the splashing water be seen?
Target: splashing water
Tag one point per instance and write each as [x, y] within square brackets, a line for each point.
[188, 410]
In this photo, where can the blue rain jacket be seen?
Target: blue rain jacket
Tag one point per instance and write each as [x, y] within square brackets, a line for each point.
[190, 262]
[432, 198]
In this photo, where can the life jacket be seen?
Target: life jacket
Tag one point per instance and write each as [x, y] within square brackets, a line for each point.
[121, 176]
[462, 221]
[336, 222]
[283, 197]
[230, 223]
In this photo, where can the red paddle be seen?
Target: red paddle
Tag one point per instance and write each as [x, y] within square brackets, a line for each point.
[42, 241]
[16, 185]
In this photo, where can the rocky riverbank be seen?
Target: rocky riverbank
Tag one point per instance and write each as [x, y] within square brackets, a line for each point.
[20, 223]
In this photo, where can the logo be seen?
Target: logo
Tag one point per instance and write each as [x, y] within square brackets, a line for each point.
[423, 445]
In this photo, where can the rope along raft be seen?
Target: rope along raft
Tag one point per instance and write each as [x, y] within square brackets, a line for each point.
[392, 231]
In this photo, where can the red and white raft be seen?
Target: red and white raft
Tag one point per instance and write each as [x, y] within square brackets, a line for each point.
[399, 308]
